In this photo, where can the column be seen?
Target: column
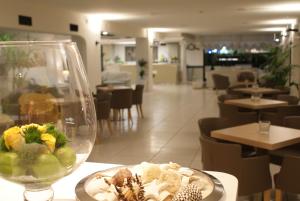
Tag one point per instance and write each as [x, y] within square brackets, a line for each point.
[183, 69]
[144, 51]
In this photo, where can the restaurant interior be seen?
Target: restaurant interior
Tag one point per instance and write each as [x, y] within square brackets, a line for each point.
[150, 100]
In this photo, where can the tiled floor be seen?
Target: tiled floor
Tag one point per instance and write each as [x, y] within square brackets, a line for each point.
[169, 131]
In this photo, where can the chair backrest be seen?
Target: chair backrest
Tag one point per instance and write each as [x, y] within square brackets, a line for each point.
[289, 177]
[253, 172]
[225, 97]
[206, 125]
[72, 114]
[137, 95]
[221, 82]
[231, 90]
[291, 110]
[292, 122]
[219, 156]
[246, 76]
[121, 99]
[103, 105]
[292, 100]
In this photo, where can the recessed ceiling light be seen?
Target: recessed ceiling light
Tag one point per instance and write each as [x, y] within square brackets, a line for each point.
[284, 7]
[287, 21]
[272, 29]
[161, 29]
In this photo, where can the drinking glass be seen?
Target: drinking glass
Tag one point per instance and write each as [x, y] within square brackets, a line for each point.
[264, 127]
[47, 114]
[256, 97]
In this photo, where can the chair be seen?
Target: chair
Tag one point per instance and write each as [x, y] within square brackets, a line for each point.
[294, 150]
[233, 112]
[292, 100]
[207, 125]
[246, 76]
[72, 114]
[103, 105]
[121, 99]
[252, 172]
[137, 99]
[231, 90]
[287, 180]
[280, 113]
[38, 108]
[221, 82]
[225, 97]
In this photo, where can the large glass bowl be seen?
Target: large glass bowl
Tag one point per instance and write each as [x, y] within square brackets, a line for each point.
[47, 114]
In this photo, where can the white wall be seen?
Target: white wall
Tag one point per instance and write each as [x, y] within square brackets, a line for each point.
[49, 20]
[168, 51]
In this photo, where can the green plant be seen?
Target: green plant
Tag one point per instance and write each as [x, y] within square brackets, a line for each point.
[118, 60]
[278, 67]
[142, 63]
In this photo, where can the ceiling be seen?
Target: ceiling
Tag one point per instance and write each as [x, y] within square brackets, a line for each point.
[190, 16]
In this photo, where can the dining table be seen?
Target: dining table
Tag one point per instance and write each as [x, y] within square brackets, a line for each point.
[248, 134]
[259, 104]
[111, 88]
[64, 189]
[257, 90]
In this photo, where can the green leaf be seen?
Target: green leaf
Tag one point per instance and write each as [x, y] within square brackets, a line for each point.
[32, 134]
[61, 138]
[2, 145]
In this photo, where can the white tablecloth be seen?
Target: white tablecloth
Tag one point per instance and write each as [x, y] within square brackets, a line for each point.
[64, 189]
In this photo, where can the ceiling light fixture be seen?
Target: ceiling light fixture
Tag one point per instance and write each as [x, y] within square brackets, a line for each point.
[161, 29]
[104, 33]
[284, 7]
[272, 29]
[287, 21]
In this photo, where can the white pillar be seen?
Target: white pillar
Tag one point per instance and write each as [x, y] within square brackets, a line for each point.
[144, 51]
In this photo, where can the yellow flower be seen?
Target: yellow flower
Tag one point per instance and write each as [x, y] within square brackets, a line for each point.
[42, 128]
[49, 140]
[13, 138]
[24, 127]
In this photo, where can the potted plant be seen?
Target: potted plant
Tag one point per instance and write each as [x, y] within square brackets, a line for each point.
[142, 63]
[278, 68]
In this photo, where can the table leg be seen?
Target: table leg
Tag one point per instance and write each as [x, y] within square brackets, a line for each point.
[267, 195]
[278, 195]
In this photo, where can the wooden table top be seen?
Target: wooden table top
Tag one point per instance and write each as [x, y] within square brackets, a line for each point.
[112, 88]
[259, 90]
[248, 134]
[256, 105]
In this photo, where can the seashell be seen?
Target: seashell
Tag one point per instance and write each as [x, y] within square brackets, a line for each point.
[165, 195]
[185, 181]
[172, 178]
[152, 190]
[186, 171]
[188, 193]
[120, 176]
[151, 172]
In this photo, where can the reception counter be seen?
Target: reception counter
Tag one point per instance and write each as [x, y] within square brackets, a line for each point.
[162, 73]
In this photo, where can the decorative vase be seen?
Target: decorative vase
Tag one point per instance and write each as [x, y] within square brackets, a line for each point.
[50, 122]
